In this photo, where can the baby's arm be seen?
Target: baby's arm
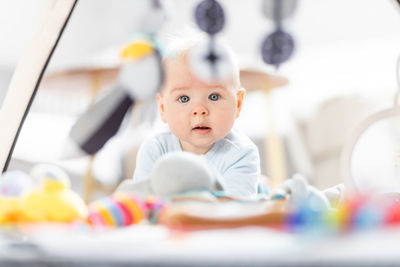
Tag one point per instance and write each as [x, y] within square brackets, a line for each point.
[242, 176]
[149, 152]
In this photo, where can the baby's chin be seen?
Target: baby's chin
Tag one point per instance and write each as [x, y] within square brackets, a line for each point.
[197, 146]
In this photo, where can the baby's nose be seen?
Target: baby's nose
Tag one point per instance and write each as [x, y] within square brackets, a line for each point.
[200, 110]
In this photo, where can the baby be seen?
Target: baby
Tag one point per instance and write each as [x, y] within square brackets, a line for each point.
[200, 117]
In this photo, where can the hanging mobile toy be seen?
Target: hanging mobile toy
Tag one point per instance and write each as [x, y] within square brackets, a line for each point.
[139, 78]
[279, 45]
[209, 60]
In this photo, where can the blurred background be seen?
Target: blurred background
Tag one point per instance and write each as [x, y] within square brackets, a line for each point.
[343, 69]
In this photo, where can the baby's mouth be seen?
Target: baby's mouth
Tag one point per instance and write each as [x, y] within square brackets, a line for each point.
[201, 129]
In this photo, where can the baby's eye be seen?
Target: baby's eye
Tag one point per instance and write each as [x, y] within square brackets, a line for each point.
[183, 99]
[214, 97]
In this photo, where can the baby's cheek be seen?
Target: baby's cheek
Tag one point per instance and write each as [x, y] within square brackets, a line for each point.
[178, 124]
[225, 124]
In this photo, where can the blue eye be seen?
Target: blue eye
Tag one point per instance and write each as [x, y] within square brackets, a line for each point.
[183, 99]
[214, 97]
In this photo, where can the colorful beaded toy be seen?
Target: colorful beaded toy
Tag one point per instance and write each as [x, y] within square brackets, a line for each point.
[117, 210]
[355, 212]
[122, 209]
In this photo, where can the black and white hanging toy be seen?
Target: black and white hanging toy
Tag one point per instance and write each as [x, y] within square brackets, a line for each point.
[139, 79]
[209, 60]
[278, 47]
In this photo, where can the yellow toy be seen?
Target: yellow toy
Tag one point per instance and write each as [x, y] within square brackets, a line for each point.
[54, 201]
[14, 187]
[137, 50]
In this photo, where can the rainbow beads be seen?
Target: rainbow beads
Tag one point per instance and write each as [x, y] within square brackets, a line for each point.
[118, 210]
[355, 212]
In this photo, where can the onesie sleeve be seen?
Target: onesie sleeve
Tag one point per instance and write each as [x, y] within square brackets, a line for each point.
[242, 176]
[149, 152]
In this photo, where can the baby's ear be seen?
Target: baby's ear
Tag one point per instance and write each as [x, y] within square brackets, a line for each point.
[160, 104]
[239, 100]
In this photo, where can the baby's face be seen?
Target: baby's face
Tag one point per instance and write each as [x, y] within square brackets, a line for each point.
[198, 113]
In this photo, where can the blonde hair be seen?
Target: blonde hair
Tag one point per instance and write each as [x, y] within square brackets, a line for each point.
[180, 42]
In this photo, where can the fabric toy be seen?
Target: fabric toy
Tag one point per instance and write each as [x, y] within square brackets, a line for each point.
[54, 200]
[140, 60]
[180, 172]
[298, 191]
[14, 187]
[176, 173]
[42, 196]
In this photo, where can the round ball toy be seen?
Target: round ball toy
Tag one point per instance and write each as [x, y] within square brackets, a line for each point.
[120, 209]
[277, 47]
[14, 187]
[54, 201]
[210, 16]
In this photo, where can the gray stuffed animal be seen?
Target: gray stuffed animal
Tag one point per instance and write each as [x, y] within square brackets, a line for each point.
[175, 173]
[180, 172]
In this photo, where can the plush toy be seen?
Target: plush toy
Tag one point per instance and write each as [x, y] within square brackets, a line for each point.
[180, 172]
[298, 191]
[175, 173]
[54, 200]
[140, 60]
[14, 187]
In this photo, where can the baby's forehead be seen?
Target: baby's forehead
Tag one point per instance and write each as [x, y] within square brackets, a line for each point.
[204, 87]
[178, 73]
